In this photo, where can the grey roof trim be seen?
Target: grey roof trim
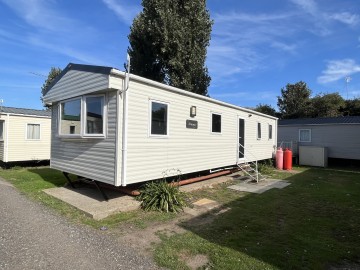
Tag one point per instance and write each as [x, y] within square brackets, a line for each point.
[25, 112]
[79, 67]
[345, 120]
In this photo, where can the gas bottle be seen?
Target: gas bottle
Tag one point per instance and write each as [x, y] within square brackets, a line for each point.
[287, 159]
[279, 158]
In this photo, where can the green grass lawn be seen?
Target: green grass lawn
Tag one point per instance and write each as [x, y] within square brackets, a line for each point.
[312, 224]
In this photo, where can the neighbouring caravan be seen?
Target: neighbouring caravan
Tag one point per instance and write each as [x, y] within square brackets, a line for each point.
[105, 131]
[24, 134]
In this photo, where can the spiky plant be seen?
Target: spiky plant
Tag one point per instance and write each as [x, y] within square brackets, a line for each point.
[162, 196]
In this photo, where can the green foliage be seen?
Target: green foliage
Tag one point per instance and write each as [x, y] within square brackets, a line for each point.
[266, 109]
[168, 43]
[162, 196]
[54, 72]
[351, 107]
[326, 105]
[266, 167]
[294, 101]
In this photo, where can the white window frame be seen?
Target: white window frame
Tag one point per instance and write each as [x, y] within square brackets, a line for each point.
[211, 123]
[167, 119]
[258, 124]
[85, 134]
[303, 129]
[83, 119]
[26, 131]
[270, 127]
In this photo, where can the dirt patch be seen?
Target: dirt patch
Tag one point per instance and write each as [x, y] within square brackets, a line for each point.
[194, 261]
[145, 239]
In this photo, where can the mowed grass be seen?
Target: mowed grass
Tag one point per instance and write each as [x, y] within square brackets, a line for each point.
[32, 181]
[312, 224]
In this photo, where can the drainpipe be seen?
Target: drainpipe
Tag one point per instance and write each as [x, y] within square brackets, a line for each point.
[125, 124]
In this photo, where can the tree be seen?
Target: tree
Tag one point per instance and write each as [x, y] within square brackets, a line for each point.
[168, 43]
[54, 72]
[351, 107]
[326, 105]
[266, 109]
[294, 101]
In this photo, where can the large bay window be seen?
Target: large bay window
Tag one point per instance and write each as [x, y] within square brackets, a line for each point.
[82, 117]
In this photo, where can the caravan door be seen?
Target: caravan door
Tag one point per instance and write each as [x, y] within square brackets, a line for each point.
[241, 140]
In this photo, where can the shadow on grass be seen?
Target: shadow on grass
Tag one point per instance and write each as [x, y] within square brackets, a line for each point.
[310, 224]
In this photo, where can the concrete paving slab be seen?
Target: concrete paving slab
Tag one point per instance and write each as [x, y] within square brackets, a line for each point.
[260, 187]
[203, 201]
[89, 200]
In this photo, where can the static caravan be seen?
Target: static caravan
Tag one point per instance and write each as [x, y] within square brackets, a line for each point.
[120, 133]
[339, 135]
[24, 134]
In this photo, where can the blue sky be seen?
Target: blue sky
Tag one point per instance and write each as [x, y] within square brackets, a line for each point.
[257, 46]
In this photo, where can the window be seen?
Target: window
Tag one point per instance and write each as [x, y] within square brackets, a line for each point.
[82, 117]
[258, 131]
[215, 123]
[1, 130]
[304, 135]
[94, 115]
[70, 122]
[159, 118]
[33, 132]
[270, 132]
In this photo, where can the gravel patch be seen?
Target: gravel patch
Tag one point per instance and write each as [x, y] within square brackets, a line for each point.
[34, 237]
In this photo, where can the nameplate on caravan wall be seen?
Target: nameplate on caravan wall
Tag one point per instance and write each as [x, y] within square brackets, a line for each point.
[191, 124]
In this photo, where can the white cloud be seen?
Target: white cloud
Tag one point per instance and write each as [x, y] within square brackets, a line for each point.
[346, 18]
[242, 43]
[125, 12]
[309, 6]
[338, 69]
[321, 20]
[40, 13]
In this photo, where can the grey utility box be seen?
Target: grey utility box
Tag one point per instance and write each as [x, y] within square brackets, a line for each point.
[313, 156]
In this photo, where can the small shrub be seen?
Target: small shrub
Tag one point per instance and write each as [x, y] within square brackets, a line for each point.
[162, 196]
[266, 166]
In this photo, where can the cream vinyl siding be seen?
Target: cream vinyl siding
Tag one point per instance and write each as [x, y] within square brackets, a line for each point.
[93, 158]
[188, 150]
[76, 83]
[22, 149]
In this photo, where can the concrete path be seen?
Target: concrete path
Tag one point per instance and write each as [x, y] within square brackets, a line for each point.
[33, 237]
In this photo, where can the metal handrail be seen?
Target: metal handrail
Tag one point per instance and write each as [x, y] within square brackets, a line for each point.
[251, 162]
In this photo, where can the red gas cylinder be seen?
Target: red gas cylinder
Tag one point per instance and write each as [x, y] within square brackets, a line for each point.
[279, 158]
[287, 159]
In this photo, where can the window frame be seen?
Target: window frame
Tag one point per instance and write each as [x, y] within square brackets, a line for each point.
[26, 131]
[2, 124]
[83, 118]
[305, 129]
[211, 123]
[85, 134]
[270, 135]
[150, 135]
[258, 128]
